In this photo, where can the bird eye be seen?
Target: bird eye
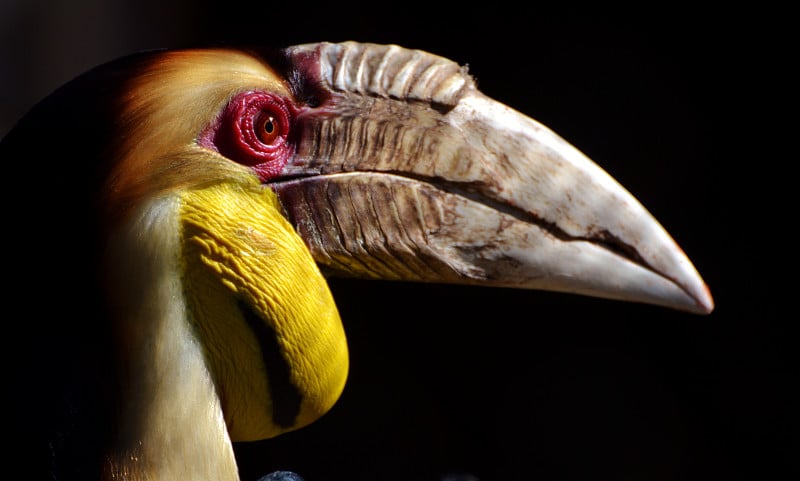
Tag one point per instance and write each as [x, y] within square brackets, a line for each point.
[254, 130]
[266, 128]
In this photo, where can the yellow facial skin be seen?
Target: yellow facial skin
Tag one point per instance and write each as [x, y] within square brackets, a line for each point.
[272, 334]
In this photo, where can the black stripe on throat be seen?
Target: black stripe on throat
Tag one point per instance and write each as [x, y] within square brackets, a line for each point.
[286, 397]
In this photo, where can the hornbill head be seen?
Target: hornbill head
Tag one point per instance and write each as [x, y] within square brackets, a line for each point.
[210, 191]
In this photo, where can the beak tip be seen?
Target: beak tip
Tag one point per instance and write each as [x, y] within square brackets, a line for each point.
[705, 302]
[700, 301]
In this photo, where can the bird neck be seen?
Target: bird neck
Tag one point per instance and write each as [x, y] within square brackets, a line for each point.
[170, 403]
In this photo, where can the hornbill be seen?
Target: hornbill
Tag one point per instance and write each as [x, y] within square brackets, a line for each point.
[190, 204]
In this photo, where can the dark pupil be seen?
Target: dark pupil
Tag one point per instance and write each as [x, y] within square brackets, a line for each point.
[269, 127]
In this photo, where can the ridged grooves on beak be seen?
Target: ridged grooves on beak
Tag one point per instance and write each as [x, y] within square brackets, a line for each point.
[387, 71]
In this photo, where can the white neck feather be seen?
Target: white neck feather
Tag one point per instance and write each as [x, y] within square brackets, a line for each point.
[172, 426]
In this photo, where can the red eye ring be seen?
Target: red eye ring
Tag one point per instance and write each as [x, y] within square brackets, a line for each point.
[254, 130]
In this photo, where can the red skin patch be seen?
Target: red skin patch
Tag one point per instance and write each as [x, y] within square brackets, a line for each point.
[255, 129]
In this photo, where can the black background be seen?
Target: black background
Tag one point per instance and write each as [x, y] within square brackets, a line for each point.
[683, 107]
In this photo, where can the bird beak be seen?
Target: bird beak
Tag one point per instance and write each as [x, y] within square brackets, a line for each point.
[405, 171]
